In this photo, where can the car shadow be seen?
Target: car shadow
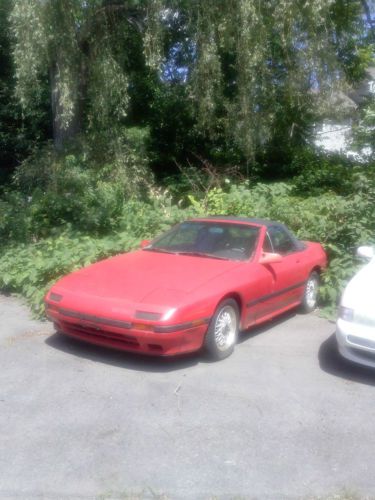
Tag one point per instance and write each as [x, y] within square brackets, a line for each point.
[128, 360]
[254, 331]
[331, 362]
[140, 362]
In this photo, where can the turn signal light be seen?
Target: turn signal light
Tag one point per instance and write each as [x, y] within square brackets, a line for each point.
[56, 297]
[346, 313]
[142, 326]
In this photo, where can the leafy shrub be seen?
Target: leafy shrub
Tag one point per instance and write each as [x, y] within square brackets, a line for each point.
[145, 220]
[317, 173]
[198, 182]
[53, 191]
[121, 156]
[340, 223]
[14, 218]
[31, 269]
[71, 214]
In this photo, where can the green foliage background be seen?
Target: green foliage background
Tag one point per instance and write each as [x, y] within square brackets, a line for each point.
[120, 118]
[53, 224]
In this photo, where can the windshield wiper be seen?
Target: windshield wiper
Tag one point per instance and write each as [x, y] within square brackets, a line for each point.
[201, 254]
[193, 254]
[159, 250]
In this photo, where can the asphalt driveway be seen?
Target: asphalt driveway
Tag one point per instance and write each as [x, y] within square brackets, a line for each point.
[283, 417]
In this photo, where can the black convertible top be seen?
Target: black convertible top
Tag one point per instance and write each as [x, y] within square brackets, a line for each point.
[254, 220]
[250, 220]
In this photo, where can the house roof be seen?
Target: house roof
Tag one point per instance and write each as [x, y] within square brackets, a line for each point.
[364, 89]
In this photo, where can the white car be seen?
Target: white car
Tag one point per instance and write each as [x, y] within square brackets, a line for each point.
[355, 330]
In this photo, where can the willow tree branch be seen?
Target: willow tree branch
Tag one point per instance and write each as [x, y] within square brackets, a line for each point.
[132, 15]
[367, 11]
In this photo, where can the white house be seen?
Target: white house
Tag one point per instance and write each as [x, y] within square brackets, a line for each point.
[335, 135]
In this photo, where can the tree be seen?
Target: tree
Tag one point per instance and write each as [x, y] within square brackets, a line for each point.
[79, 46]
[262, 67]
[364, 131]
[370, 21]
[255, 71]
[19, 131]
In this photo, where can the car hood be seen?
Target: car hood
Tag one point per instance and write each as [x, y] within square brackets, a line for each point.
[144, 280]
[359, 294]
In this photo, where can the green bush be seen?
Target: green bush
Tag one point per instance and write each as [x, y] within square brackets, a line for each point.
[316, 173]
[340, 223]
[145, 220]
[14, 218]
[52, 191]
[65, 212]
[30, 269]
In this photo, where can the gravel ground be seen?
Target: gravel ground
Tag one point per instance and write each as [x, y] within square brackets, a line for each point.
[283, 417]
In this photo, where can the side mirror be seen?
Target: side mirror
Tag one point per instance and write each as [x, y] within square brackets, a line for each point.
[144, 243]
[366, 252]
[270, 258]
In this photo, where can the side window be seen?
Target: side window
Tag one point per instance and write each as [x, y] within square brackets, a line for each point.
[267, 245]
[281, 241]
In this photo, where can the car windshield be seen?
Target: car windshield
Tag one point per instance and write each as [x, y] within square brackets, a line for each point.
[219, 240]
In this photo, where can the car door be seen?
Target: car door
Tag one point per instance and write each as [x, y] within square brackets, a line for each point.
[287, 276]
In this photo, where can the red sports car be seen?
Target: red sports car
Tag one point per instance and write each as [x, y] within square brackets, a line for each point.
[195, 286]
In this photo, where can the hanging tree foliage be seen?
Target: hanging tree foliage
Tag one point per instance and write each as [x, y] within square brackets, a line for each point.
[257, 71]
[80, 46]
[285, 57]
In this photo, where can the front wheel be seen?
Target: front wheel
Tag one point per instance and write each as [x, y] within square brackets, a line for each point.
[223, 330]
[310, 295]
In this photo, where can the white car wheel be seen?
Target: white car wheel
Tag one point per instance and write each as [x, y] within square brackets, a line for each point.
[310, 296]
[223, 329]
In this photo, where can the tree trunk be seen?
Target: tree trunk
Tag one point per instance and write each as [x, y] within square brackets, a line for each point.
[63, 132]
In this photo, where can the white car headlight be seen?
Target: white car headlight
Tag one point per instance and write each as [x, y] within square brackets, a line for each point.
[346, 313]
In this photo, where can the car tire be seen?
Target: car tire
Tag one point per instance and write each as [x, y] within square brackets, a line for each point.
[310, 294]
[223, 330]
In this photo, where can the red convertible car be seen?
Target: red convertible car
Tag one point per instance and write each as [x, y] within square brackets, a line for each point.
[195, 286]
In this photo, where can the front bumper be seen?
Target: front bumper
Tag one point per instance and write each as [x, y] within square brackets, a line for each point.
[356, 342]
[132, 339]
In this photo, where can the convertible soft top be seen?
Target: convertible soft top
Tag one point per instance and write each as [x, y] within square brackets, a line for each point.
[254, 220]
[249, 220]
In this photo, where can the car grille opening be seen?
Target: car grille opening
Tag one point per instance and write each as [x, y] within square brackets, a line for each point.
[363, 354]
[370, 344]
[155, 347]
[92, 333]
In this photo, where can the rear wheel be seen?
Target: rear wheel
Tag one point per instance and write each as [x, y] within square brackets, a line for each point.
[223, 329]
[310, 296]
